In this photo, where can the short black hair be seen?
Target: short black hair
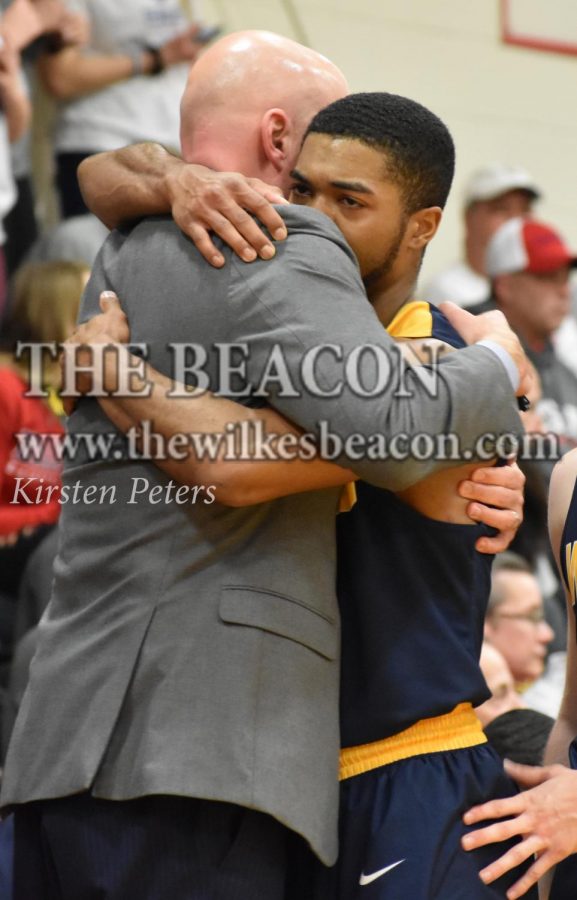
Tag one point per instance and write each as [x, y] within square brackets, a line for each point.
[418, 145]
[520, 735]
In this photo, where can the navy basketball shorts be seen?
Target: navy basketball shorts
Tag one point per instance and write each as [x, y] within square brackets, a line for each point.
[401, 828]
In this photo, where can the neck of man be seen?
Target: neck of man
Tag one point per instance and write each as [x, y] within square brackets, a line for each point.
[387, 300]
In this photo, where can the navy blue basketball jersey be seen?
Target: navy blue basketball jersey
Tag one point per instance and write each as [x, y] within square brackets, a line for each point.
[413, 593]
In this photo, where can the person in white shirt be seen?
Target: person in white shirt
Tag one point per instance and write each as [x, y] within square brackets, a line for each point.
[493, 195]
[15, 115]
[123, 87]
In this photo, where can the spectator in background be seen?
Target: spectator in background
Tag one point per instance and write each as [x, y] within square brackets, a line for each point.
[124, 87]
[515, 622]
[493, 195]
[23, 24]
[497, 674]
[28, 20]
[15, 115]
[46, 305]
[529, 266]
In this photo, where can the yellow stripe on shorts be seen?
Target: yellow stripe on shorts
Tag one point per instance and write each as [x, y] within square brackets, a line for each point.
[456, 730]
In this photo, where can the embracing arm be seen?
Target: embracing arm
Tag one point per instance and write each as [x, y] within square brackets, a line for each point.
[240, 482]
[495, 494]
[146, 180]
[129, 183]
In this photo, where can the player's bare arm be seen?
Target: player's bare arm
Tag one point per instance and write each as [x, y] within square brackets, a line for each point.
[244, 483]
[147, 180]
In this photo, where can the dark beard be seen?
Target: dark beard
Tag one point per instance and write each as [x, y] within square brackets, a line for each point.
[374, 277]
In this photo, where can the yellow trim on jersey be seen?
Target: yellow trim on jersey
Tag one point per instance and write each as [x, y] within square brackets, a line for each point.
[413, 320]
[348, 497]
[456, 730]
[571, 566]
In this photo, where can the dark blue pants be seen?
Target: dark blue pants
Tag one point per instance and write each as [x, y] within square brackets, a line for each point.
[155, 848]
[6, 857]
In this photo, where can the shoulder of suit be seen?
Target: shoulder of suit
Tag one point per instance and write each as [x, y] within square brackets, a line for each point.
[303, 220]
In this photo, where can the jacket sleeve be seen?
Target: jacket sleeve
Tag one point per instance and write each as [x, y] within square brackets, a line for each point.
[311, 296]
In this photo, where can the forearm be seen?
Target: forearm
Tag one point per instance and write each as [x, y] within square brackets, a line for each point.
[71, 73]
[244, 480]
[557, 749]
[17, 110]
[315, 312]
[129, 183]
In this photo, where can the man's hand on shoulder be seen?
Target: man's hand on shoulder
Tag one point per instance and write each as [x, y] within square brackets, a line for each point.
[491, 326]
[203, 201]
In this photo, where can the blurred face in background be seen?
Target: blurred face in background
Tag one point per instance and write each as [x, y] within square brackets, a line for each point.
[497, 674]
[483, 217]
[516, 626]
[535, 305]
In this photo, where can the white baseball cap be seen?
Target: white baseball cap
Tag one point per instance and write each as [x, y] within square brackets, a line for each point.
[493, 180]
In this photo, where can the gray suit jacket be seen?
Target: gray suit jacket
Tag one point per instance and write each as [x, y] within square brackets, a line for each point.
[193, 649]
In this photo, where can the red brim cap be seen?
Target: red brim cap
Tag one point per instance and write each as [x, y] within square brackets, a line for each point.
[546, 251]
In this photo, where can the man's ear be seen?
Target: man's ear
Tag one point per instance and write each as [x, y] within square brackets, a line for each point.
[423, 226]
[275, 131]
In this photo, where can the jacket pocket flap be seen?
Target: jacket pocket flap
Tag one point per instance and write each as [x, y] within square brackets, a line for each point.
[280, 615]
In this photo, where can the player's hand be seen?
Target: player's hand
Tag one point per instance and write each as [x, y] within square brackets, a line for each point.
[110, 327]
[491, 326]
[496, 495]
[544, 816]
[221, 202]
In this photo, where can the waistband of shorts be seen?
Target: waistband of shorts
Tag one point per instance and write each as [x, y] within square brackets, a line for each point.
[456, 730]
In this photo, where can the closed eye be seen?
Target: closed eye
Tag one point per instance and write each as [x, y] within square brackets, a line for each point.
[350, 202]
[298, 189]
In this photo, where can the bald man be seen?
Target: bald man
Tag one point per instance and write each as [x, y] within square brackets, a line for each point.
[190, 652]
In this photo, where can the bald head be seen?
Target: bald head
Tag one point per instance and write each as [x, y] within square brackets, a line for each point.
[248, 101]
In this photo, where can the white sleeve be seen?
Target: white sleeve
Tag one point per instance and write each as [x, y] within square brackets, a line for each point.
[7, 187]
